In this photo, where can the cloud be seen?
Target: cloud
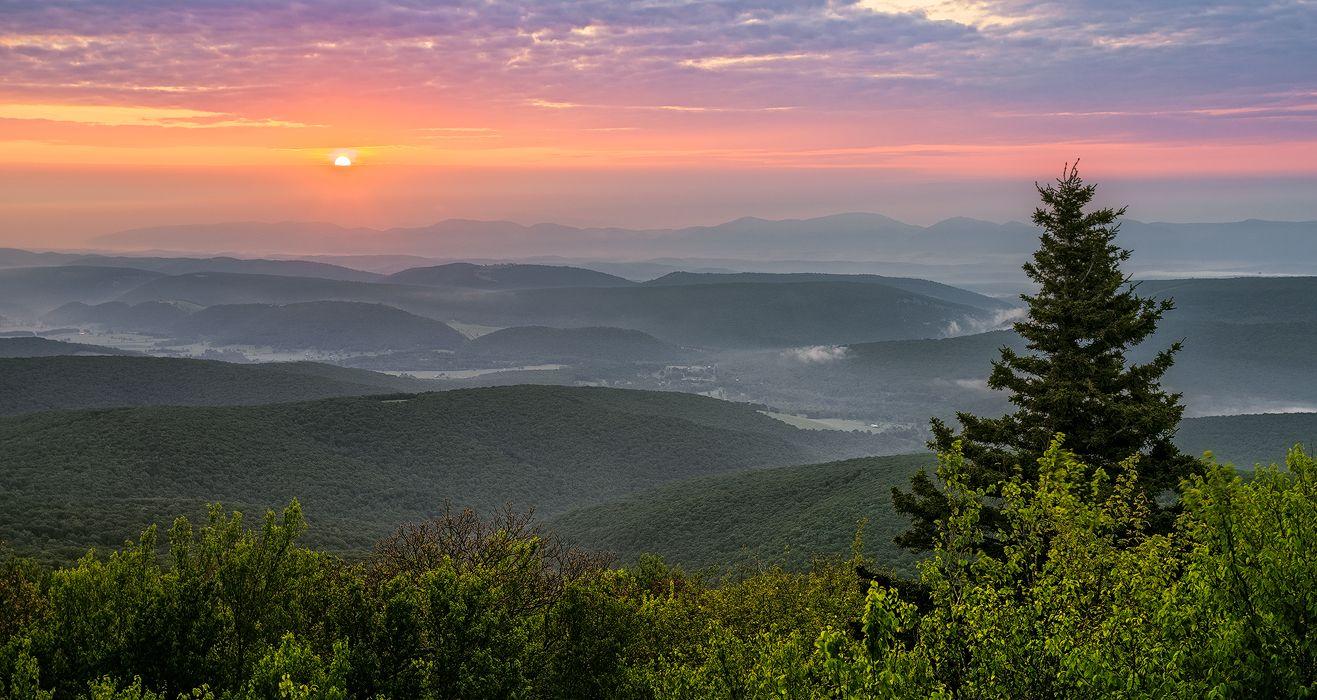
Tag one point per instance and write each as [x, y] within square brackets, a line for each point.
[111, 115]
[818, 354]
[998, 320]
[837, 73]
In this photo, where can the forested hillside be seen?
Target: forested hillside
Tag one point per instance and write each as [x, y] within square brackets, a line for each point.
[45, 347]
[362, 465]
[928, 288]
[784, 516]
[506, 276]
[338, 325]
[71, 382]
[1247, 440]
[788, 515]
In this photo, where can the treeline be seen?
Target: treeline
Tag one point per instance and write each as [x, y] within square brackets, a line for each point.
[1080, 602]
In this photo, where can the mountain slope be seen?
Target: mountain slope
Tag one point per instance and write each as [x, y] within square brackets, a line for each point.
[36, 290]
[928, 288]
[363, 465]
[1251, 439]
[330, 325]
[69, 383]
[10, 257]
[1238, 299]
[45, 347]
[213, 288]
[749, 315]
[790, 514]
[712, 315]
[508, 276]
[783, 516]
[148, 316]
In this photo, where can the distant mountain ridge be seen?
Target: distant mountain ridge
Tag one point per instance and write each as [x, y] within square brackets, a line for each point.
[507, 276]
[835, 237]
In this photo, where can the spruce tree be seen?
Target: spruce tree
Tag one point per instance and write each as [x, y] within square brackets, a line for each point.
[1074, 377]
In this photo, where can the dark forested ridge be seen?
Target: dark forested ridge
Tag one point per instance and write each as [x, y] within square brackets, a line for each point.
[1248, 440]
[928, 288]
[361, 465]
[507, 276]
[70, 382]
[345, 325]
[45, 347]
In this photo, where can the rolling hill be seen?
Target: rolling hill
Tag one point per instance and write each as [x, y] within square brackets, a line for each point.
[363, 465]
[1247, 440]
[45, 347]
[336, 325]
[506, 276]
[927, 288]
[33, 291]
[1238, 299]
[214, 288]
[749, 315]
[75, 382]
[10, 257]
[713, 315]
[147, 317]
[789, 514]
[782, 516]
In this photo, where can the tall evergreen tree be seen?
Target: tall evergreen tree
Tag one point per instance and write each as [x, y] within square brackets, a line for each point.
[1074, 378]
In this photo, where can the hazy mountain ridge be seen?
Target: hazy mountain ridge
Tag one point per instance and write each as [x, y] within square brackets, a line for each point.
[844, 236]
[346, 325]
[178, 265]
[767, 312]
[507, 276]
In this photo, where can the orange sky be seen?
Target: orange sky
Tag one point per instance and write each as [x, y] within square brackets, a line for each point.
[114, 116]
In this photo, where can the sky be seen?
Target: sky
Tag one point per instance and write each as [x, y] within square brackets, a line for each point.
[645, 114]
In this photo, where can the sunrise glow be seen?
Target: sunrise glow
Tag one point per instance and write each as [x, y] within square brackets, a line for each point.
[695, 116]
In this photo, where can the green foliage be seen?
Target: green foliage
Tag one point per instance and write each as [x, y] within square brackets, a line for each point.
[1081, 601]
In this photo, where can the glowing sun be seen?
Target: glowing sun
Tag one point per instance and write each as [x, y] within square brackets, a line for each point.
[342, 161]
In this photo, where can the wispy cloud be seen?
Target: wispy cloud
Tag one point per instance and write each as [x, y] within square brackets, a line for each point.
[748, 75]
[115, 115]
